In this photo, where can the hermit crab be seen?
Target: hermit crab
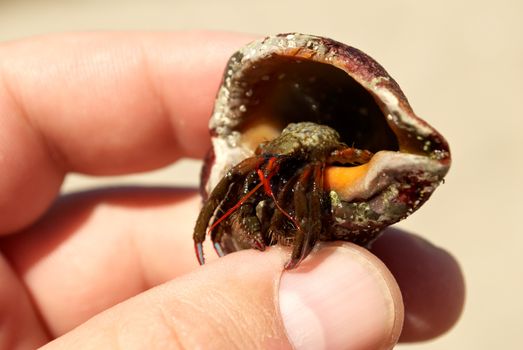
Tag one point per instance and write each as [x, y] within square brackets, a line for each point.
[312, 141]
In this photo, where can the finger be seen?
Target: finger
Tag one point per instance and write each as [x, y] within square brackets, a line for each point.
[98, 248]
[343, 297]
[19, 324]
[144, 235]
[101, 103]
[430, 280]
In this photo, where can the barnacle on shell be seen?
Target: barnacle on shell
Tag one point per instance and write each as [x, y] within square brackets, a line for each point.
[290, 78]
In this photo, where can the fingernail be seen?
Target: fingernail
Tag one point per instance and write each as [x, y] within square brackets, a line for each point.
[339, 299]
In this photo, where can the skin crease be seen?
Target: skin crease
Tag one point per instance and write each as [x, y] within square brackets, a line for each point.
[116, 103]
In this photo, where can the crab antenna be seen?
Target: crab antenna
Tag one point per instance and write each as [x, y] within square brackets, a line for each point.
[272, 168]
[236, 206]
[268, 190]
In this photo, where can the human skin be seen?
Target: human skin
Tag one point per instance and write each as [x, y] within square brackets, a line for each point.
[114, 267]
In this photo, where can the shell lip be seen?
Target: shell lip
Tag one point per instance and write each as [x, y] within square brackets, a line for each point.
[257, 64]
[385, 169]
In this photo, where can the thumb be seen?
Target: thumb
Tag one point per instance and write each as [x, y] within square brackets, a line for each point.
[342, 297]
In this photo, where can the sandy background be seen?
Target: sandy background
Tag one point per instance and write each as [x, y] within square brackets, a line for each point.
[460, 64]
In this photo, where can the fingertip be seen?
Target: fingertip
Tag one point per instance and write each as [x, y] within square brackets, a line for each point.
[341, 297]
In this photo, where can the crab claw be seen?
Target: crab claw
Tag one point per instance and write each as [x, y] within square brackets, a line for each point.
[258, 244]
[292, 263]
[198, 248]
[218, 249]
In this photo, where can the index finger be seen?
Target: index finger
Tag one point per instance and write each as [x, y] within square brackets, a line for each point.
[101, 103]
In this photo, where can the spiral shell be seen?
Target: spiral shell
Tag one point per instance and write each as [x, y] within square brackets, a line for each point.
[294, 77]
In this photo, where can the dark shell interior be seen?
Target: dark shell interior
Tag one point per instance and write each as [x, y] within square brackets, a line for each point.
[289, 89]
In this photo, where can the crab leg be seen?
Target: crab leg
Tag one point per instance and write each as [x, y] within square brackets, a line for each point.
[216, 238]
[277, 219]
[229, 204]
[216, 197]
[246, 227]
[271, 169]
[308, 213]
[301, 209]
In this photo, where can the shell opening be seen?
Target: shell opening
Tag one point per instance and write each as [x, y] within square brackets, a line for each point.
[288, 89]
[289, 78]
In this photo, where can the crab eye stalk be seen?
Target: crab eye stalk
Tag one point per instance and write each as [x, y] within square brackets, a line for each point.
[295, 78]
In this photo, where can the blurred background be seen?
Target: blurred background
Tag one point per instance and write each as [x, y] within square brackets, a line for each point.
[461, 65]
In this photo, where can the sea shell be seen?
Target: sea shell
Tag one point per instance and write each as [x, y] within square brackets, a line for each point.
[289, 78]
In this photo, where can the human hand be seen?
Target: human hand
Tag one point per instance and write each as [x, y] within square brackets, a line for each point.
[118, 264]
